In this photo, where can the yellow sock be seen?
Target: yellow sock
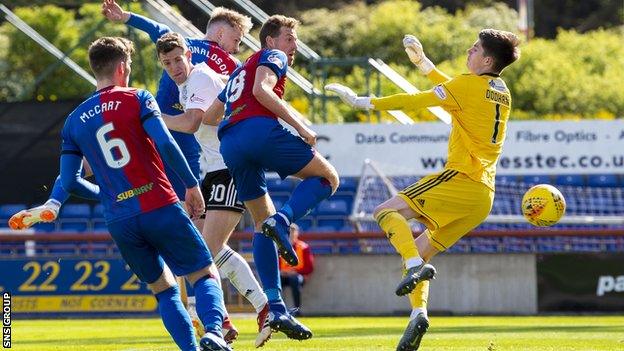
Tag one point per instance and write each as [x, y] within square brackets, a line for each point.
[419, 296]
[398, 232]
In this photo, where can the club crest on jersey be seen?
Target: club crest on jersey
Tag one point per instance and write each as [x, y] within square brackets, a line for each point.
[274, 58]
[439, 92]
[150, 104]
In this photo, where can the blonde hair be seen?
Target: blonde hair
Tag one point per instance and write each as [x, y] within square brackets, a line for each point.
[230, 17]
[106, 52]
[273, 25]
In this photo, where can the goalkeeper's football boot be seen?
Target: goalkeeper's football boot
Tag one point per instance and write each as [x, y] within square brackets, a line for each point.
[287, 324]
[413, 276]
[278, 232]
[264, 329]
[413, 334]
[213, 342]
[26, 218]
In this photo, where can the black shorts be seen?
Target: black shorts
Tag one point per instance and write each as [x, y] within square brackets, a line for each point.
[220, 193]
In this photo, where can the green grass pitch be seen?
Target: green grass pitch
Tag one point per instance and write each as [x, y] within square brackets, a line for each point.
[339, 333]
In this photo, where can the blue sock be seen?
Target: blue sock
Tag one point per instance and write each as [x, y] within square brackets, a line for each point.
[209, 304]
[306, 196]
[267, 265]
[58, 193]
[175, 318]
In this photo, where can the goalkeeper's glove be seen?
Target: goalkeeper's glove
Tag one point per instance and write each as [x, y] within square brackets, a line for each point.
[349, 97]
[414, 50]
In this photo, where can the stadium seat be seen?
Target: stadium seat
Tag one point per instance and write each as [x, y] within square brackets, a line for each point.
[336, 223]
[333, 207]
[537, 179]
[506, 179]
[305, 223]
[603, 180]
[347, 197]
[82, 211]
[8, 210]
[348, 184]
[44, 227]
[98, 211]
[99, 225]
[570, 179]
[276, 184]
[74, 226]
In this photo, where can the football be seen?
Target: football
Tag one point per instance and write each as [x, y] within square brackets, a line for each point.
[543, 205]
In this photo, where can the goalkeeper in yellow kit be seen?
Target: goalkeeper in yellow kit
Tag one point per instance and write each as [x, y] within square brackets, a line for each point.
[455, 201]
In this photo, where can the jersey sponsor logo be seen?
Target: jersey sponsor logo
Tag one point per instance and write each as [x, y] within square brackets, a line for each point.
[134, 192]
[439, 92]
[98, 109]
[497, 97]
[178, 106]
[274, 58]
[196, 99]
[498, 85]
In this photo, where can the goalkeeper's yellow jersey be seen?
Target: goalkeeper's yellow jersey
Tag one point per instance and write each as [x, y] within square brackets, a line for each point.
[479, 105]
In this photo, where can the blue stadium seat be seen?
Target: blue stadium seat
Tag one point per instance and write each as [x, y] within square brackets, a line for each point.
[333, 207]
[324, 229]
[276, 184]
[305, 223]
[348, 184]
[99, 225]
[603, 180]
[506, 179]
[347, 197]
[570, 179]
[336, 223]
[537, 179]
[74, 226]
[98, 211]
[6, 211]
[75, 211]
[44, 227]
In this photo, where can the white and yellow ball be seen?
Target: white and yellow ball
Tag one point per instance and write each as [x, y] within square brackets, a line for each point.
[543, 205]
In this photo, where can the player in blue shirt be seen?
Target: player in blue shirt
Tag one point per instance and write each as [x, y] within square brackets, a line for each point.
[223, 36]
[118, 130]
[252, 141]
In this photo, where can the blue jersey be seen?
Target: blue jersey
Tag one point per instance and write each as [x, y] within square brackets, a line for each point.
[168, 96]
[107, 129]
[240, 102]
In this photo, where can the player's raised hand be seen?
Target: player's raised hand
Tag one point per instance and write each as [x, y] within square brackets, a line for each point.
[114, 12]
[349, 97]
[194, 202]
[414, 50]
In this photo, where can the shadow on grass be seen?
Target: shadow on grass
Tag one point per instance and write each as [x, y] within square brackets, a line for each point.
[384, 330]
[85, 341]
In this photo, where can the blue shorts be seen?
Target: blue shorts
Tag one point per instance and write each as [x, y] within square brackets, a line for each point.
[191, 150]
[165, 235]
[259, 144]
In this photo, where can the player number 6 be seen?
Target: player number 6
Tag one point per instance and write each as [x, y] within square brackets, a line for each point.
[107, 147]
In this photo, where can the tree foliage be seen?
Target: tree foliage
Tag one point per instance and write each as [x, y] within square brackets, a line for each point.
[34, 73]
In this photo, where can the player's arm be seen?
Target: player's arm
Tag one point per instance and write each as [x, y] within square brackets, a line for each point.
[214, 113]
[416, 54]
[203, 89]
[265, 81]
[72, 180]
[438, 96]
[114, 12]
[188, 122]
